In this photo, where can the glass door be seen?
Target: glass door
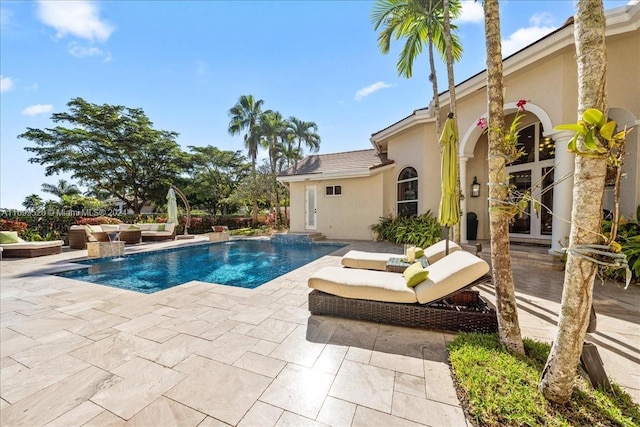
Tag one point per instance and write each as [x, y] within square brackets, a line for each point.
[310, 208]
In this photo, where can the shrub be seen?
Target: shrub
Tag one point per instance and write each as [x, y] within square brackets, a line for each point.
[12, 225]
[97, 220]
[423, 230]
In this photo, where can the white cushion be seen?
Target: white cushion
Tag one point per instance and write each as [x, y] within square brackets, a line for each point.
[95, 228]
[32, 245]
[367, 260]
[438, 250]
[144, 227]
[450, 274]
[169, 227]
[107, 227]
[362, 284]
[124, 227]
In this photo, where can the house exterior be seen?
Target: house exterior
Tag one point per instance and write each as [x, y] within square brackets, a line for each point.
[342, 194]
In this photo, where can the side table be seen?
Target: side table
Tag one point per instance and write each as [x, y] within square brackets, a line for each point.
[399, 265]
[104, 249]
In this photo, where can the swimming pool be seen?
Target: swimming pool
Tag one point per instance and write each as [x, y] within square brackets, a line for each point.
[242, 263]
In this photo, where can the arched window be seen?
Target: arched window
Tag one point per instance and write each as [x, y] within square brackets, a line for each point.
[408, 192]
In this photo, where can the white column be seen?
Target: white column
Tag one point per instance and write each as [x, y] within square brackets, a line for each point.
[463, 202]
[562, 191]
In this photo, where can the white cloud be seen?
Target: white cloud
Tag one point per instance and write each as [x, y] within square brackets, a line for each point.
[37, 109]
[79, 18]
[523, 37]
[366, 91]
[82, 51]
[6, 83]
[472, 11]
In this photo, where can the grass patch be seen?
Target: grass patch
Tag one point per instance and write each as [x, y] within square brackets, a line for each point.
[499, 389]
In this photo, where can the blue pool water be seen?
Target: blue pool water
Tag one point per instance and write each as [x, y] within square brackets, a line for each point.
[242, 263]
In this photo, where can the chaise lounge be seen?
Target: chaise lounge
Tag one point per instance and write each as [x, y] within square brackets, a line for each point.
[19, 248]
[378, 261]
[441, 301]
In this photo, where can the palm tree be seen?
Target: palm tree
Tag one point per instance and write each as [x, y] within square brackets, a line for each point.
[304, 132]
[63, 188]
[272, 130]
[420, 22]
[559, 373]
[244, 116]
[508, 326]
[33, 202]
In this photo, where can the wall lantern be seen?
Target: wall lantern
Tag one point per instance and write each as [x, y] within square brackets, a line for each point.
[475, 187]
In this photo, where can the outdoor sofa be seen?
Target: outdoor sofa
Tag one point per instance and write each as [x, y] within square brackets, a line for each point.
[79, 235]
[441, 301]
[378, 260]
[19, 248]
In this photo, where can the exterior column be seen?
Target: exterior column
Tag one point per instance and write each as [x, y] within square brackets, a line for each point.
[562, 192]
[463, 202]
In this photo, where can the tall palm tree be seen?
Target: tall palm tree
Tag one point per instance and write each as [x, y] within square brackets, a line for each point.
[243, 118]
[420, 22]
[508, 326]
[62, 188]
[272, 130]
[304, 132]
[559, 373]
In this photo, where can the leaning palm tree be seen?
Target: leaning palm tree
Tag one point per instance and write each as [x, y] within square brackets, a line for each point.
[421, 23]
[558, 376]
[244, 117]
[499, 217]
[304, 132]
[62, 188]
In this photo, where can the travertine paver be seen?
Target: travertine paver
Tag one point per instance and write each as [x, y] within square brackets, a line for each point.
[74, 353]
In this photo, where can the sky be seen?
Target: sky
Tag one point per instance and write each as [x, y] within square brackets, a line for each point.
[186, 63]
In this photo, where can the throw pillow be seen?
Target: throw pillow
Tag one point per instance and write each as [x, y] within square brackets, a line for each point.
[9, 237]
[90, 228]
[415, 274]
[133, 227]
[161, 227]
[419, 252]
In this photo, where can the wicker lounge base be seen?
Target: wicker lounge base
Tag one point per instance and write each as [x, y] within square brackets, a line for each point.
[30, 253]
[464, 311]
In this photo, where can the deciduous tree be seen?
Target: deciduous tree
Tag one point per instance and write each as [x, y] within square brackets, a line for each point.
[110, 147]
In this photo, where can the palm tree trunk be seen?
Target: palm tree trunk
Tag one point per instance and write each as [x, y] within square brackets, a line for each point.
[508, 326]
[254, 193]
[434, 83]
[452, 107]
[559, 373]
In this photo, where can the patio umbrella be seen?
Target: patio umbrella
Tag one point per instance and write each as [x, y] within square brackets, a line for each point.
[172, 207]
[449, 212]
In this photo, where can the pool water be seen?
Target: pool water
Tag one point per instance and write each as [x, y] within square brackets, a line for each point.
[242, 263]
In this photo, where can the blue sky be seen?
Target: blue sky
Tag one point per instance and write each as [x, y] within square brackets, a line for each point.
[185, 63]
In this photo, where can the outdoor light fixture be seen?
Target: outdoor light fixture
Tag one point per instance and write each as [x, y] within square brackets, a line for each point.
[475, 187]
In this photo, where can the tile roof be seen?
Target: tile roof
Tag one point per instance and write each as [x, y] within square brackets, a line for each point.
[334, 162]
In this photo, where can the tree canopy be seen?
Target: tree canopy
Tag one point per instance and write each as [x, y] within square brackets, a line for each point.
[111, 148]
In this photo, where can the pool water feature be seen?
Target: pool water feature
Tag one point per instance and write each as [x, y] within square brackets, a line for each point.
[242, 263]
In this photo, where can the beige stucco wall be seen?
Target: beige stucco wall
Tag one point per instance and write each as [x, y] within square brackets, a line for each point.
[348, 216]
[417, 148]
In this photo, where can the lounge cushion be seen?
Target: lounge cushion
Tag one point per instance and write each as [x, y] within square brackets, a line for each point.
[169, 226]
[415, 274]
[438, 250]
[32, 245]
[449, 275]
[362, 284]
[107, 228]
[144, 227]
[8, 237]
[378, 260]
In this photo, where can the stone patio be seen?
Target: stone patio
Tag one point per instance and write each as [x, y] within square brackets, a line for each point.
[74, 353]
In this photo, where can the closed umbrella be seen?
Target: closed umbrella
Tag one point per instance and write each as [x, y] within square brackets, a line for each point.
[172, 207]
[449, 212]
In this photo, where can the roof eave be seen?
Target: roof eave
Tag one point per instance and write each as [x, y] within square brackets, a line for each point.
[346, 173]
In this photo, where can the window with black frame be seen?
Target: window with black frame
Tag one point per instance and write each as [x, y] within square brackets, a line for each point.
[408, 192]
